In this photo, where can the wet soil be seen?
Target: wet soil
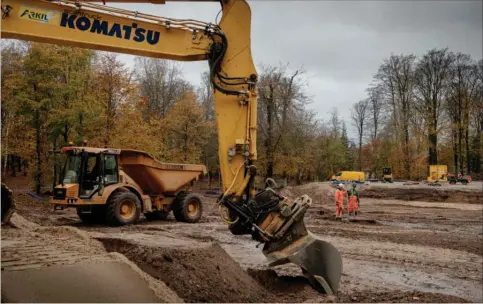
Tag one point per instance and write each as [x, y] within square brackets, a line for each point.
[413, 249]
[424, 194]
[204, 274]
[294, 289]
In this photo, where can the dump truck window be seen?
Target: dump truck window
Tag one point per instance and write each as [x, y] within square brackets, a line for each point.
[72, 169]
[110, 169]
[90, 179]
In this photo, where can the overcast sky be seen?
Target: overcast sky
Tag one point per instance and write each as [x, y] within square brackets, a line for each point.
[340, 43]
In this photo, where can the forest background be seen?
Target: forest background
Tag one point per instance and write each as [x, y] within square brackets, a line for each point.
[419, 109]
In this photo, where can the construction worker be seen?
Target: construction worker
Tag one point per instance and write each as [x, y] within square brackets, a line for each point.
[340, 193]
[353, 198]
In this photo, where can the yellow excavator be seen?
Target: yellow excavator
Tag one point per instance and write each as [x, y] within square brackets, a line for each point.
[275, 221]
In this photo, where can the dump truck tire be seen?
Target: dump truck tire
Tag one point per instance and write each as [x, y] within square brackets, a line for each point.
[187, 207]
[123, 208]
[8, 204]
[96, 216]
[156, 215]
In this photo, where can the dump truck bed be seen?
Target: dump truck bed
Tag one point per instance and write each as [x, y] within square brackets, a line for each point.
[155, 177]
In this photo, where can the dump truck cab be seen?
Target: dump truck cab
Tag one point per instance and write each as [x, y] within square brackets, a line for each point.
[86, 171]
[116, 186]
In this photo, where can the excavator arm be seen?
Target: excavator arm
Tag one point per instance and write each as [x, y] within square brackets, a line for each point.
[269, 218]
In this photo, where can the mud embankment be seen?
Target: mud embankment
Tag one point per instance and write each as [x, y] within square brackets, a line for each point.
[422, 194]
[206, 274]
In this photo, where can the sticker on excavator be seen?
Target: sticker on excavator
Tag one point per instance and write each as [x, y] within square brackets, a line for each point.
[38, 15]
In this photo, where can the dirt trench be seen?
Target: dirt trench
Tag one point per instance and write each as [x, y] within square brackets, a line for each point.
[424, 194]
[207, 274]
[416, 252]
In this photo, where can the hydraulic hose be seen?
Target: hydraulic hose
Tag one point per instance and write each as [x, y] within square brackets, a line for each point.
[216, 64]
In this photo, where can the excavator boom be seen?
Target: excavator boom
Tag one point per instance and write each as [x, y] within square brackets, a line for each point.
[268, 217]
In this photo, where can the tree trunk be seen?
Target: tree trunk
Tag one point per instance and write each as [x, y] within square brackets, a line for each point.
[455, 151]
[460, 147]
[407, 162]
[6, 144]
[468, 155]
[360, 153]
[433, 144]
[55, 177]
[269, 141]
[13, 158]
[38, 144]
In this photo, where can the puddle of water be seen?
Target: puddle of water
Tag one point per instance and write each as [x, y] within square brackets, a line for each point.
[407, 225]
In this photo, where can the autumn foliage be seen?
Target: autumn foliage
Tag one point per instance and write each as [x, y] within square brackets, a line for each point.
[416, 112]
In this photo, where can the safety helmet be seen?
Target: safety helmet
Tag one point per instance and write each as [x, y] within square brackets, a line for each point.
[341, 186]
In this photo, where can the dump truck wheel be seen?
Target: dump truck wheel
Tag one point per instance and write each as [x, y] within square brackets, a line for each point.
[123, 208]
[156, 215]
[97, 215]
[187, 207]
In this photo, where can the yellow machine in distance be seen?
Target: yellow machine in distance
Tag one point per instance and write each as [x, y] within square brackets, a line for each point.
[349, 176]
[387, 175]
[271, 219]
[116, 186]
[438, 173]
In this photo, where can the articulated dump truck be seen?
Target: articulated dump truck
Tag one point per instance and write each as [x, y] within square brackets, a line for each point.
[117, 185]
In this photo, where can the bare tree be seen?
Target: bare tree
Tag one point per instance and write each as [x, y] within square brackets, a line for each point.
[205, 96]
[161, 83]
[397, 75]
[464, 90]
[431, 79]
[375, 108]
[359, 116]
[281, 93]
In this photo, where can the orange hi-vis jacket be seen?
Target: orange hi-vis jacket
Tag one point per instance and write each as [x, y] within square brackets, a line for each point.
[339, 196]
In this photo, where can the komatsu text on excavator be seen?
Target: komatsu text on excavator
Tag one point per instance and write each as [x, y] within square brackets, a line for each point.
[271, 219]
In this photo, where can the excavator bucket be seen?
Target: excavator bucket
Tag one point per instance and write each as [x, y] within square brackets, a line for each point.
[321, 262]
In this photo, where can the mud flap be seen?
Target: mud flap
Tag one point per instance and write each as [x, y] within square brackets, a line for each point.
[320, 261]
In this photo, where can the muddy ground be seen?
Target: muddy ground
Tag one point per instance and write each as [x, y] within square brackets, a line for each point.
[422, 247]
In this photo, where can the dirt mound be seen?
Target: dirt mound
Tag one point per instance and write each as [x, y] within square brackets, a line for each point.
[207, 274]
[423, 194]
[321, 193]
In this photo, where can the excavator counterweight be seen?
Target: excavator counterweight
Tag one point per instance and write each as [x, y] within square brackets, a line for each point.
[276, 221]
